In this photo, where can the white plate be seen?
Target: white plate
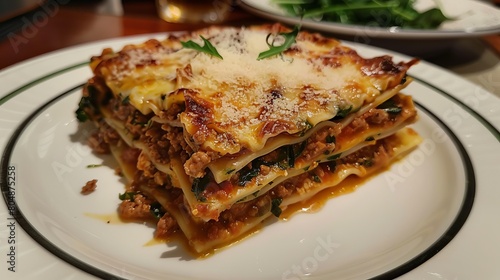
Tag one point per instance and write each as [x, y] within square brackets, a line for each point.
[473, 18]
[433, 215]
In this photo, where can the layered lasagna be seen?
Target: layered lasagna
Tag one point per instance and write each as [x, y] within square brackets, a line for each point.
[220, 129]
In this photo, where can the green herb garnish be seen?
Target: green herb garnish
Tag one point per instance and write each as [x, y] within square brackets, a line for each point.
[94, 165]
[275, 50]
[207, 48]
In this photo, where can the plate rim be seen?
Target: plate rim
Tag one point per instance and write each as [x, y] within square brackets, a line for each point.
[374, 32]
[452, 230]
[138, 37]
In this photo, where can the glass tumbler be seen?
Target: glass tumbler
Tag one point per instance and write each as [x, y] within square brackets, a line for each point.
[193, 11]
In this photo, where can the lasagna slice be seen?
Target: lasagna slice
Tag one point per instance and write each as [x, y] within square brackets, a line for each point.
[214, 137]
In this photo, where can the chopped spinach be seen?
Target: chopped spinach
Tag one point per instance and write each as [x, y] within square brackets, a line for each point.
[126, 100]
[316, 178]
[294, 151]
[308, 126]
[390, 107]
[275, 206]
[334, 157]
[156, 210]
[87, 103]
[82, 105]
[343, 112]
[247, 173]
[370, 138]
[331, 165]
[330, 139]
[199, 185]
[403, 80]
[127, 196]
[367, 162]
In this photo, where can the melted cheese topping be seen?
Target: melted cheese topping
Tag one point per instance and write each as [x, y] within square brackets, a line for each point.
[246, 101]
[238, 102]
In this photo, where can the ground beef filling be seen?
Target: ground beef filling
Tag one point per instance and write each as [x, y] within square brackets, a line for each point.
[89, 187]
[136, 209]
[99, 140]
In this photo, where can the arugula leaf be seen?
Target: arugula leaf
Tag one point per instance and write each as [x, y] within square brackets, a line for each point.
[275, 206]
[340, 9]
[429, 19]
[381, 13]
[207, 48]
[275, 50]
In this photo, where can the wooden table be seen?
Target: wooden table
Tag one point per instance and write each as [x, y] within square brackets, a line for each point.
[67, 23]
[78, 22]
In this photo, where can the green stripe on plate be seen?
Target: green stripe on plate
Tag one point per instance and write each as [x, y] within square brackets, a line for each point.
[464, 106]
[39, 80]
